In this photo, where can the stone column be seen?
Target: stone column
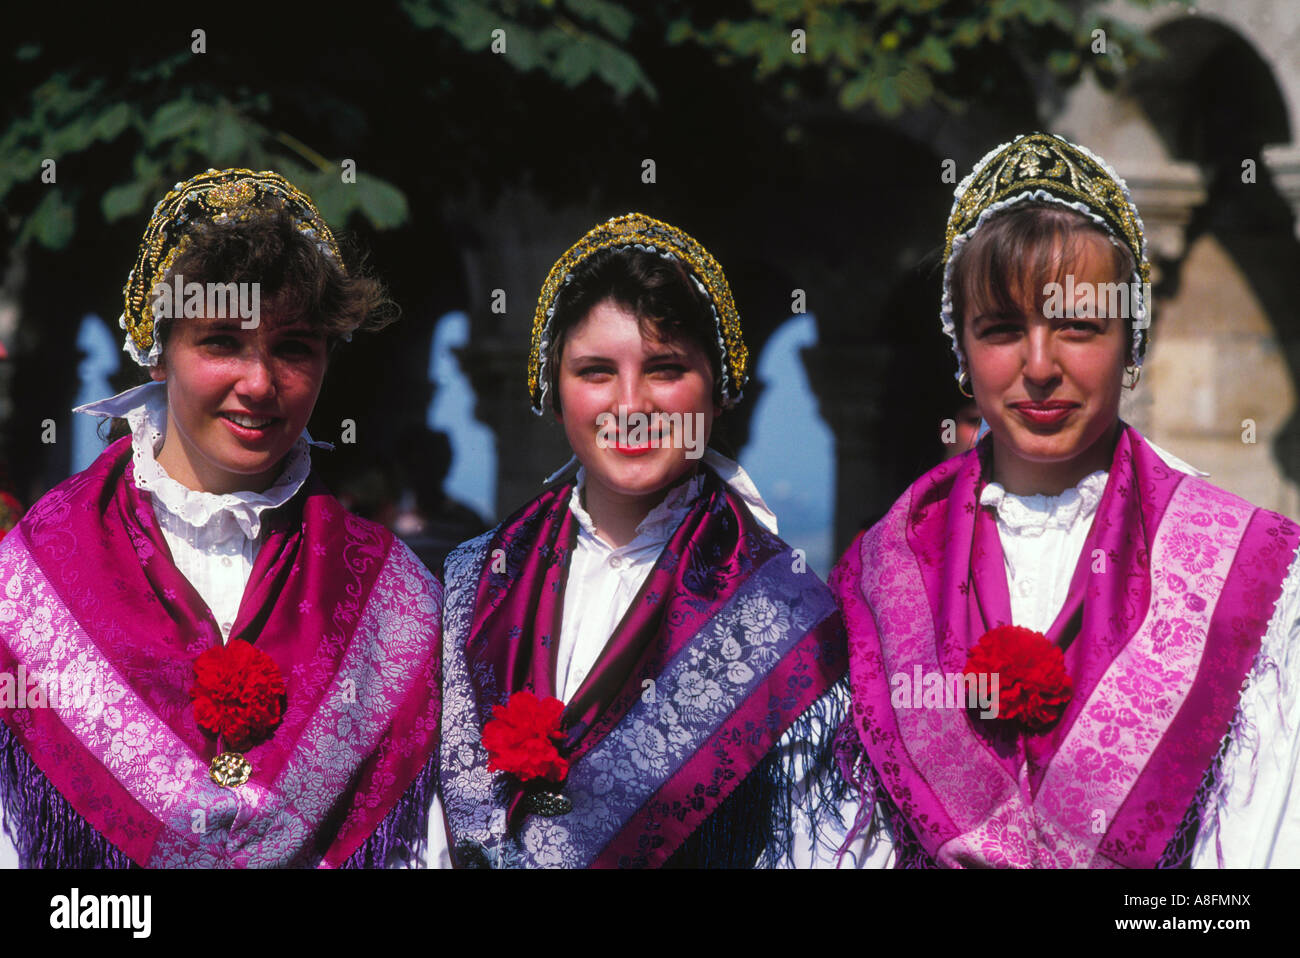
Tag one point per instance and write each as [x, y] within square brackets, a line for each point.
[510, 245]
[1284, 165]
[1166, 193]
[847, 379]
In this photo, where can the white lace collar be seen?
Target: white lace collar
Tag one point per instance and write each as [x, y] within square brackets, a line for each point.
[1033, 515]
[145, 410]
[663, 519]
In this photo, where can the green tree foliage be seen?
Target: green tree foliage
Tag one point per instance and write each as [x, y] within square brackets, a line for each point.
[896, 55]
[131, 133]
[130, 115]
[570, 42]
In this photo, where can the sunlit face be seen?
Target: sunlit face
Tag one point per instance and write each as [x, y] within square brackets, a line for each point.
[1049, 388]
[606, 363]
[217, 373]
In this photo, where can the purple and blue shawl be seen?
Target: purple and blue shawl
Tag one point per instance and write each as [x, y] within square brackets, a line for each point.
[730, 642]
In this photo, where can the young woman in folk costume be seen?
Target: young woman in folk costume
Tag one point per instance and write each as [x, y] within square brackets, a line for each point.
[637, 671]
[1141, 623]
[246, 673]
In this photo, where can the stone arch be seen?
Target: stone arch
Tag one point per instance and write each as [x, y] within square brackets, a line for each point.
[1213, 96]
[1224, 369]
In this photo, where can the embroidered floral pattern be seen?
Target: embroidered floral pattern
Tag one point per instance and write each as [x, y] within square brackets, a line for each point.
[1124, 717]
[696, 691]
[258, 827]
[1136, 700]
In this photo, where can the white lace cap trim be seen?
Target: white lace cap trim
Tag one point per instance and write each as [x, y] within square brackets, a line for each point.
[147, 360]
[145, 410]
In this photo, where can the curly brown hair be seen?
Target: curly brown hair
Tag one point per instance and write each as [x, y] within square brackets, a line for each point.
[293, 270]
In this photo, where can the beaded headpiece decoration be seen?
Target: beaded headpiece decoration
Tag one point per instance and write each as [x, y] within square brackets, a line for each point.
[217, 196]
[1046, 167]
[637, 231]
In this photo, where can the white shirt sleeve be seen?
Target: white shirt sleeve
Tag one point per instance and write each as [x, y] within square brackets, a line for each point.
[8, 850]
[869, 848]
[438, 847]
[1253, 818]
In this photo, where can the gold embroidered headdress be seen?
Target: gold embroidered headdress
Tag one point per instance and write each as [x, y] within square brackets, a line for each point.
[216, 196]
[1042, 166]
[637, 231]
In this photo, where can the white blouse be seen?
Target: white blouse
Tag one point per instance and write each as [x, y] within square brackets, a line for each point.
[603, 580]
[213, 539]
[601, 584]
[1042, 538]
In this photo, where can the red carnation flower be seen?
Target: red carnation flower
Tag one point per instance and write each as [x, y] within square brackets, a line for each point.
[238, 693]
[1033, 686]
[520, 738]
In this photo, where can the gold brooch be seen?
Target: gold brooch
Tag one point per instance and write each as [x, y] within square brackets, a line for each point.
[230, 769]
